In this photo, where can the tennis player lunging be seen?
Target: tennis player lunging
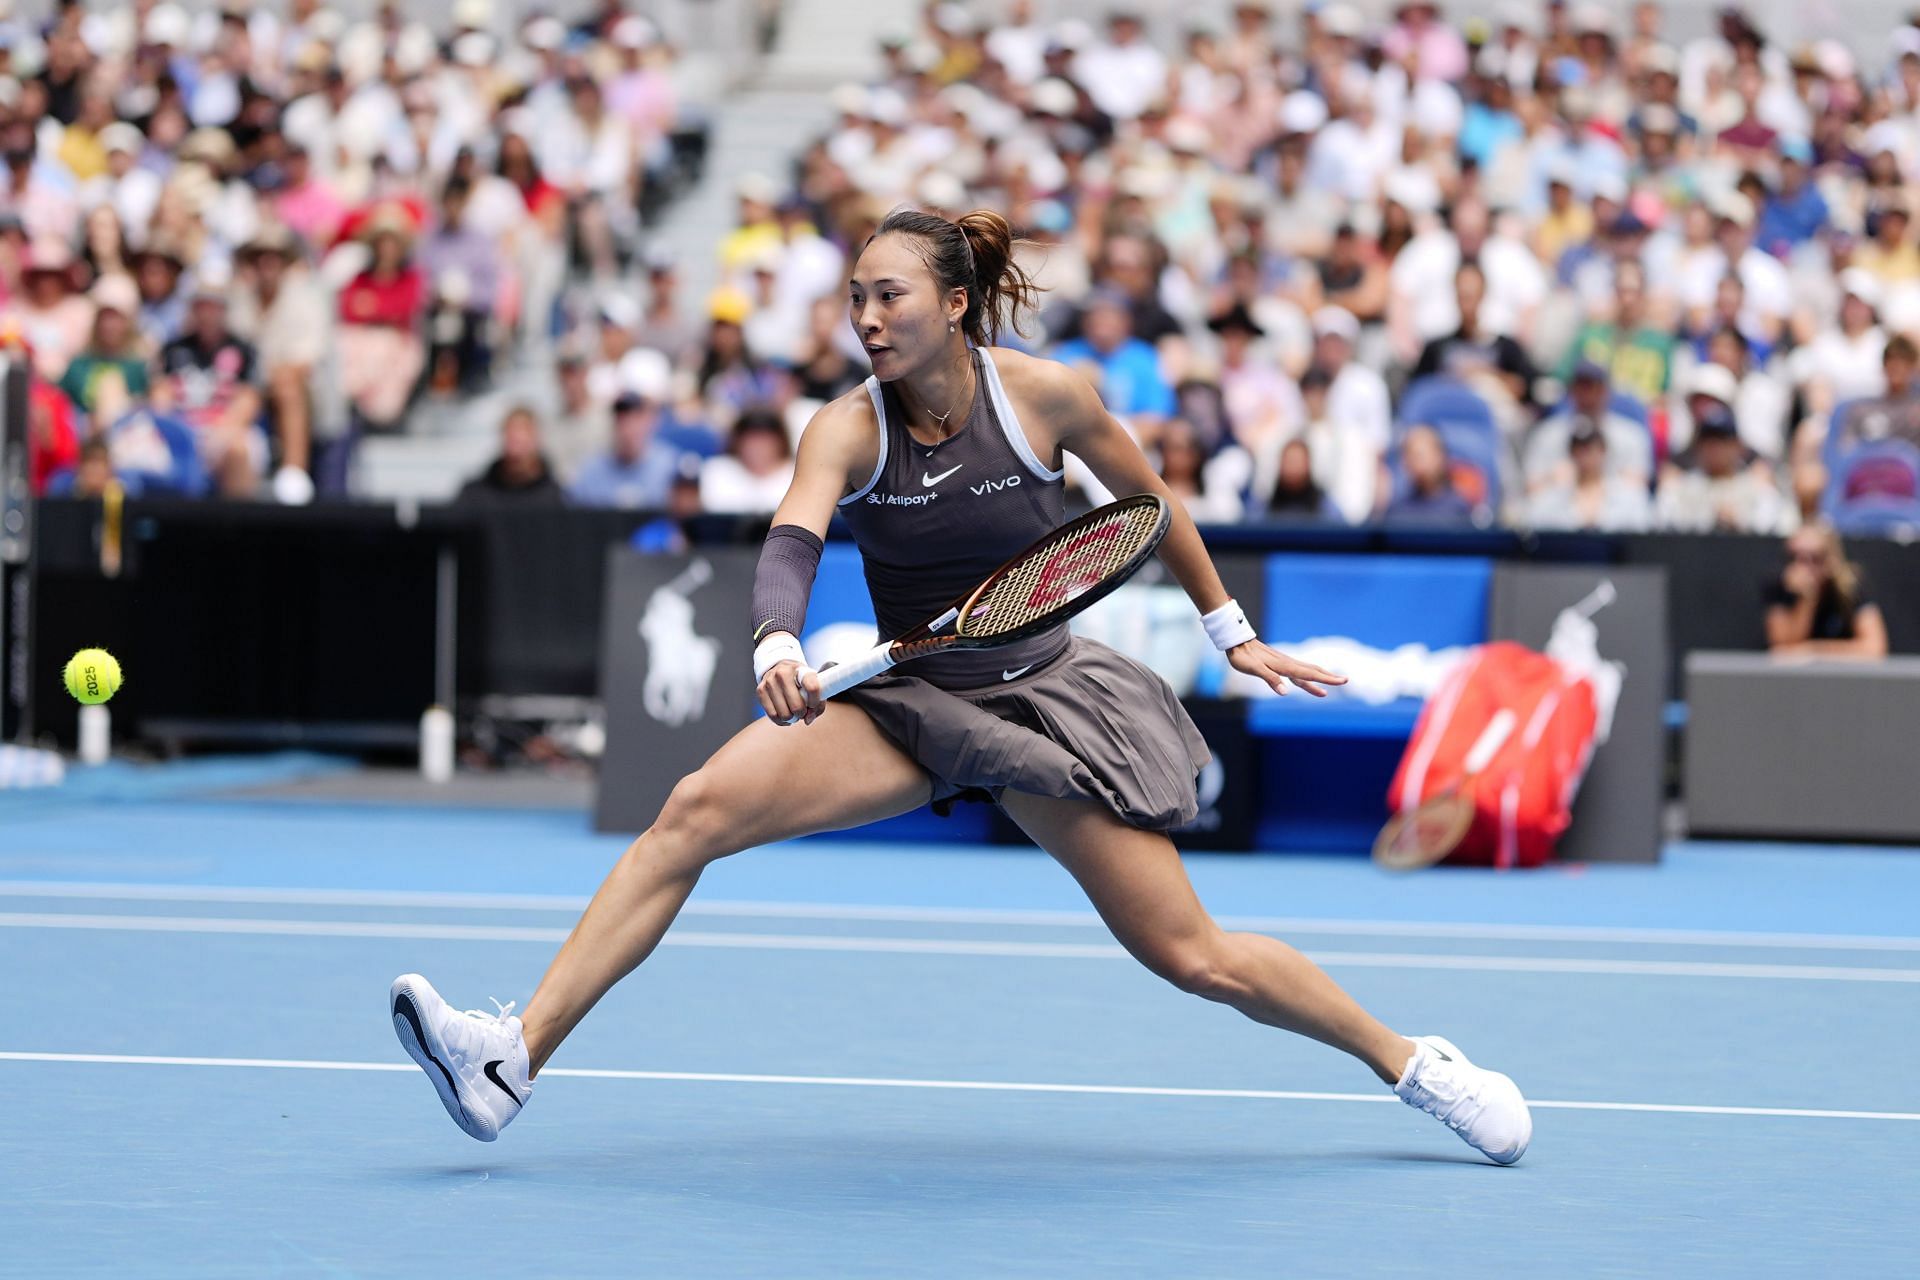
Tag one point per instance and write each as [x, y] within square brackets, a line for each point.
[944, 464]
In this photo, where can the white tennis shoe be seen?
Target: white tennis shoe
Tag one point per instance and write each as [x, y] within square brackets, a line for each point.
[477, 1061]
[1483, 1107]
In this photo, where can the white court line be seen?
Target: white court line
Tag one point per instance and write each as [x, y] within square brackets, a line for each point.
[991, 1086]
[955, 915]
[428, 930]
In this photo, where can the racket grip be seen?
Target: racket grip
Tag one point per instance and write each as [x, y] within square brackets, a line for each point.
[837, 679]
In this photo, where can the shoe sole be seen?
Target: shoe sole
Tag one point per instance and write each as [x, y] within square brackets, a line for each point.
[430, 1056]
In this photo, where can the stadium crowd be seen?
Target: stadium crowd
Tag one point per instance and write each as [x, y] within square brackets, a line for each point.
[1546, 267]
[234, 240]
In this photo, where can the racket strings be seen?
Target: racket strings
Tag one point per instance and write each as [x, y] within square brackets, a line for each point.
[1061, 569]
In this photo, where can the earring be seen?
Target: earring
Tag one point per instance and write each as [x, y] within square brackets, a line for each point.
[949, 328]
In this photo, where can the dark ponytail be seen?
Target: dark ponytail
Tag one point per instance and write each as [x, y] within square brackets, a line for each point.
[976, 254]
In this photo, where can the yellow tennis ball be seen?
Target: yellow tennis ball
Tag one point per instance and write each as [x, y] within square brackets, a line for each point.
[93, 676]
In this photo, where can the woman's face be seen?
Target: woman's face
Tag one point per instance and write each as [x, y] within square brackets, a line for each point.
[111, 329]
[899, 312]
[1179, 455]
[389, 251]
[103, 230]
[760, 452]
[1296, 466]
[725, 340]
[1809, 548]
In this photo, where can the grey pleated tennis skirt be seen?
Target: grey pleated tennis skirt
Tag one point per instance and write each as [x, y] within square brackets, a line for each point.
[1092, 724]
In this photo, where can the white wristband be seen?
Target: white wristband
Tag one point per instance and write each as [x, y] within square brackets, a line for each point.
[781, 646]
[1227, 626]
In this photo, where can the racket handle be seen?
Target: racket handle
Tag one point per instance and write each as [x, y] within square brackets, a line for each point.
[837, 679]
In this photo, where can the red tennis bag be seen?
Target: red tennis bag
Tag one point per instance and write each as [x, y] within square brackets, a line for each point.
[1523, 799]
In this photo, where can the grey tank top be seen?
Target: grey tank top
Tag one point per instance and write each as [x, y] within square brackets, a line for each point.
[933, 521]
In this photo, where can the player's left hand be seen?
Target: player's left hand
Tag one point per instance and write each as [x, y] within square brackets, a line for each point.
[1257, 658]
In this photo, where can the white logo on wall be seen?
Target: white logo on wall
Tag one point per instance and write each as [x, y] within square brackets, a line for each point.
[680, 662]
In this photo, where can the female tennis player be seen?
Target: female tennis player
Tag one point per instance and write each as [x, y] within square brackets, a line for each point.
[944, 464]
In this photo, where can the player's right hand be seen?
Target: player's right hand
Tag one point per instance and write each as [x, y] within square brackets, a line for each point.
[790, 694]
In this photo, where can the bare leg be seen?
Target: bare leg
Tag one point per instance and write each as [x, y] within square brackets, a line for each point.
[768, 783]
[1137, 883]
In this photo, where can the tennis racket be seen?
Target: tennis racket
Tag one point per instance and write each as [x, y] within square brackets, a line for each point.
[1423, 836]
[1058, 576]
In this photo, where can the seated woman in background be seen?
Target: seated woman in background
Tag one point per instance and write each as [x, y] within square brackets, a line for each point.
[1210, 487]
[1820, 605]
[1296, 495]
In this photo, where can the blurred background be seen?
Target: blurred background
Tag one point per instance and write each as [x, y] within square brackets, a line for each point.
[372, 358]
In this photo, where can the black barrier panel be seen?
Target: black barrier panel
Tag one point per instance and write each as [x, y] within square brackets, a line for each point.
[678, 675]
[241, 623]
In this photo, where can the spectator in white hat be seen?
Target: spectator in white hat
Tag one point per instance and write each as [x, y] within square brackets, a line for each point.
[1842, 361]
[1361, 415]
[1123, 74]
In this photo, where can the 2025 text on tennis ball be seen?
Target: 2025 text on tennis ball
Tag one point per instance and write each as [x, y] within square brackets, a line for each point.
[93, 676]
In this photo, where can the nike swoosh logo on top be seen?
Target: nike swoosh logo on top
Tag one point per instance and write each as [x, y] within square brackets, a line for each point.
[930, 481]
[493, 1074]
[1015, 675]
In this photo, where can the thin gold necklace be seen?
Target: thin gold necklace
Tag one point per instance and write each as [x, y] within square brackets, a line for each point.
[941, 418]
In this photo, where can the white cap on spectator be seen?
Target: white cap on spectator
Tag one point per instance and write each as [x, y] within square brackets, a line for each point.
[1148, 182]
[1661, 59]
[116, 292]
[620, 311]
[634, 32]
[1342, 20]
[327, 26]
[474, 49]
[887, 107]
[1835, 59]
[122, 137]
[1415, 190]
[168, 24]
[1517, 14]
[1714, 381]
[941, 190]
[413, 49]
[1860, 283]
[1886, 135]
[757, 187]
[1658, 117]
[1054, 97]
[1071, 34]
[955, 20]
[1608, 185]
[1188, 135]
[101, 35]
[1435, 109]
[849, 99]
[1336, 321]
[1735, 208]
[212, 279]
[1592, 19]
[475, 14]
[923, 56]
[646, 373]
[544, 33]
[1302, 111]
